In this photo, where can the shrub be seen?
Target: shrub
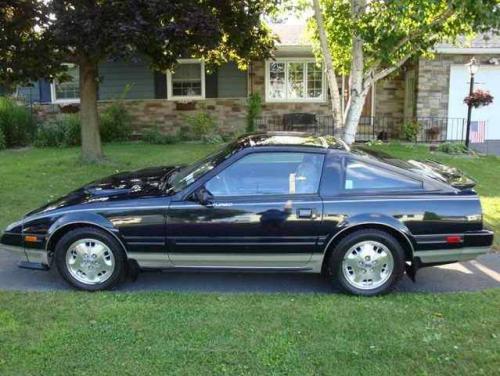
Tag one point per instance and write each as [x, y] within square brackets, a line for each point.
[155, 136]
[254, 109]
[2, 140]
[62, 131]
[452, 148]
[213, 139]
[411, 130]
[115, 123]
[16, 122]
[201, 125]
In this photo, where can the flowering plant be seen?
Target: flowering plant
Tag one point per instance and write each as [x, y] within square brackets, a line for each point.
[479, 98]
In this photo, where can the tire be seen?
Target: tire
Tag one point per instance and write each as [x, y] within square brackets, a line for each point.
[90, 259]
[367, 263]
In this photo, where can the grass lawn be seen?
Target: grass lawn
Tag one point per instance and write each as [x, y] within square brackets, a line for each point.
[62, 333]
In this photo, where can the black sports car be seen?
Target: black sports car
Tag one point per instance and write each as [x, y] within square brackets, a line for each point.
[271, 201]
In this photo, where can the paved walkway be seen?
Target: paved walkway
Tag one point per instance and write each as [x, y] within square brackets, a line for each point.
[476, 275]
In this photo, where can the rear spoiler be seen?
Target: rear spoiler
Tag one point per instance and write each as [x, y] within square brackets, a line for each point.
[451, 175]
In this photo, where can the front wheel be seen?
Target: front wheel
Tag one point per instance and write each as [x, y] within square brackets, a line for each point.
[90, 259]
[367, 263]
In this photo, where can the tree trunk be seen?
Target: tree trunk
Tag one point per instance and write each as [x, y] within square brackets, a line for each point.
[353, 115]
[330, 69]
[91, 138]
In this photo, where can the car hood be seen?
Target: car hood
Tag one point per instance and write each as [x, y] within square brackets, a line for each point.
[122, 186]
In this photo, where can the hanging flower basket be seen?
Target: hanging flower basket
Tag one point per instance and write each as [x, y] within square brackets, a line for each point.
[479, 98]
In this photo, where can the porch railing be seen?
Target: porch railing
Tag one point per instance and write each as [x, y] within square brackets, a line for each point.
[384, 128]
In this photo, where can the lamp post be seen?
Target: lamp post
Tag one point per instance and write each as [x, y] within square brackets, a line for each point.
[472, 67]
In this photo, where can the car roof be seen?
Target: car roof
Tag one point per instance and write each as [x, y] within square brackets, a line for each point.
[290, 139]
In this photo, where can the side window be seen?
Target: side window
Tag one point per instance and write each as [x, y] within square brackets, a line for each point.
[269, 174]
[363, 176]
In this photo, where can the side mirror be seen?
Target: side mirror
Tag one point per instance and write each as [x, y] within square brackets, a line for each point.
[203, 196]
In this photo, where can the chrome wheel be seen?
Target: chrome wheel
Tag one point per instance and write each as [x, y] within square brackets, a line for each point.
[367, 265]
[90, 261]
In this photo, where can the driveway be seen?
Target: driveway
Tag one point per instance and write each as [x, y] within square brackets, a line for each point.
[475, 275]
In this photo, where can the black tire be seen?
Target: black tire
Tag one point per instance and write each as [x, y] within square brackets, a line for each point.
[336, 259]
[120, 258]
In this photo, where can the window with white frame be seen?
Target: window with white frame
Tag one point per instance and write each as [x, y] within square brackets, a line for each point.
[187, 81]
[68, 90]
[293, 80]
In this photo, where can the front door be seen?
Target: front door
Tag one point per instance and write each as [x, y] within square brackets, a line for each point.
[264, 212]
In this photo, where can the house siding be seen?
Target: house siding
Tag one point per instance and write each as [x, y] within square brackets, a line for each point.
[231, 82]
[116, 75]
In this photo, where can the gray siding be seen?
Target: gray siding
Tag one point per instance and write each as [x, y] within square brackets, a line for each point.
[30, 93]
[231, 82]
[115, 75]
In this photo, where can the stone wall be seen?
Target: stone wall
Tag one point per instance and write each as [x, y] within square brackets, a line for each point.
[390, 96]
[433, 82]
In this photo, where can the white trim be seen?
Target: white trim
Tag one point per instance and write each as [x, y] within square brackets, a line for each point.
[170, 96]
[468, 50]
[53, 98]
[321, 99]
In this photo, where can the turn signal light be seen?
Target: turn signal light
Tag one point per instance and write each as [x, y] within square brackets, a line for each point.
[30, 238]
[453, 239]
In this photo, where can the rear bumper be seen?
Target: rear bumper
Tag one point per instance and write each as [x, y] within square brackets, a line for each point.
[437, 256]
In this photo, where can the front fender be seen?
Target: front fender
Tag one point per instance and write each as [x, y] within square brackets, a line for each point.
[89, 218]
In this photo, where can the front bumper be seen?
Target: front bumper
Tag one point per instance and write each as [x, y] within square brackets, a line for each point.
[33, 256]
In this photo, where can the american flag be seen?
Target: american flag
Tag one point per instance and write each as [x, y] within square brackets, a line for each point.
[477, 131]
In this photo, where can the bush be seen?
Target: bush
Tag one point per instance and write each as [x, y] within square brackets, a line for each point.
[2, 140]
[16, 123]
[213, 139]
[115, 123]
[201, 125]
[411, 130]
[155, 136]
[254, 109]
[62, 131]
[452, 148]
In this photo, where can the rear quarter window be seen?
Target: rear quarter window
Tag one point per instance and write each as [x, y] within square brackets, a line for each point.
[361, 176]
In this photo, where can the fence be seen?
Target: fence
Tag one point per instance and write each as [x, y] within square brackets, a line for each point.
[384, 128]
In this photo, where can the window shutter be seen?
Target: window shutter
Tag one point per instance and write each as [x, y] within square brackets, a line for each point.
[45, 94]
[160, 85]
[211, 85]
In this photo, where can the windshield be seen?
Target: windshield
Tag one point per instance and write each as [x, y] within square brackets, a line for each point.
[188, 175]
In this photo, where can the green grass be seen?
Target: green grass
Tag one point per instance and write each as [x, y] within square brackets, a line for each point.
[62, 333]
[196, 334]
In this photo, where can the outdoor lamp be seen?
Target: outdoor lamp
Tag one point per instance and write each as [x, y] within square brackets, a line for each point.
[473, 66]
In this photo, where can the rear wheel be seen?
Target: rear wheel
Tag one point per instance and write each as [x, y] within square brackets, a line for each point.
[90, 259]
[367, 262]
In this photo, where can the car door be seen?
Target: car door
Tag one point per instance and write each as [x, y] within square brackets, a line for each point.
[262, 211]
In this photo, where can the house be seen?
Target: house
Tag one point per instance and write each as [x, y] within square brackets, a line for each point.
[430, 91]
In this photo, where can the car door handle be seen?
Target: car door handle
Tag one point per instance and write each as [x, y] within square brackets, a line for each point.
[305, 213]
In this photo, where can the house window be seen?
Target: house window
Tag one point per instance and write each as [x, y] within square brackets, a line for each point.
[294, 81]
[187, 81]
[67, 91]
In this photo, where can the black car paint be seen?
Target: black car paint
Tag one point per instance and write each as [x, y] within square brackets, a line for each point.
[137, 209]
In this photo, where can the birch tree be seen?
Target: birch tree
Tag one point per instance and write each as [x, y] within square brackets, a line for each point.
[367, 40]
